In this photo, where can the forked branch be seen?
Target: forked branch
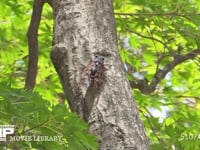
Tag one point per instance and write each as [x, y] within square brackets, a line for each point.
[147, 88]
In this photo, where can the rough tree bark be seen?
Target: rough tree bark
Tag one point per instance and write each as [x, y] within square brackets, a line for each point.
[84, 28]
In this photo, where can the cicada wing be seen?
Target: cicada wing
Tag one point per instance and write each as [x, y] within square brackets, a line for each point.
[85, 75]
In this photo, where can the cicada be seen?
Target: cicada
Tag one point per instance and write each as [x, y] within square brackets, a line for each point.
[95, 71]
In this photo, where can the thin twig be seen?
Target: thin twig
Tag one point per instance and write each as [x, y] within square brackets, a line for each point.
[151, 125]
[157, 14]
[36, 126]
[148, 37]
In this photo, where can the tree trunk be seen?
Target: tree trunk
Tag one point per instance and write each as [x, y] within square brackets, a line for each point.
[84, 28]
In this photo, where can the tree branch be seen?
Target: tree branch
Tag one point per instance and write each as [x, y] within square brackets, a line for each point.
[143, 85]
[50, 2]
[154, 129]
[36, 126]
[157, 14]
[150, 38]
[32, 35]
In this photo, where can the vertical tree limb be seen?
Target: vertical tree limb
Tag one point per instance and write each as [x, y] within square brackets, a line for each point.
[32, 35]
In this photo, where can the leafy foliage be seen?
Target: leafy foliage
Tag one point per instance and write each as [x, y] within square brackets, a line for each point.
[153, 33]
[34, 116]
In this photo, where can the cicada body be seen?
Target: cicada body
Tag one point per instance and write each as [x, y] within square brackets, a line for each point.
[95, 72]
